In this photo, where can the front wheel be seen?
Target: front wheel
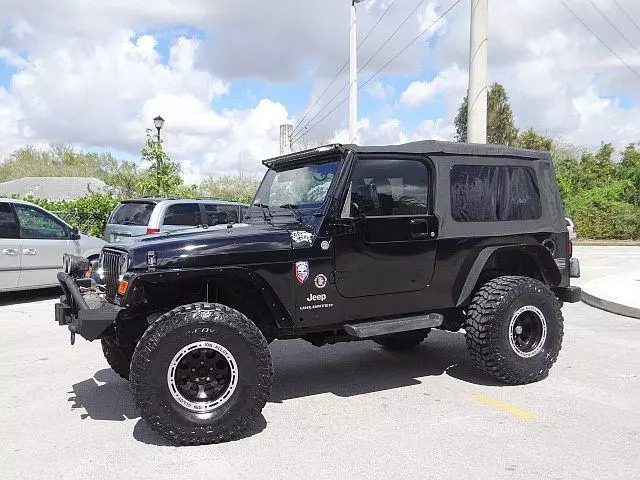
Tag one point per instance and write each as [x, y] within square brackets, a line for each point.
[201, 374]
[514, 329]
[118, 356]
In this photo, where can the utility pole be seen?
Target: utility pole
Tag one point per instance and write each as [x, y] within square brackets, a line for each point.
[477, 92]
[286, 131]
[353, 74]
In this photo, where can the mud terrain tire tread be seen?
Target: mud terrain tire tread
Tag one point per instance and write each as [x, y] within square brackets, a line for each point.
[487, 342]
[144, 392]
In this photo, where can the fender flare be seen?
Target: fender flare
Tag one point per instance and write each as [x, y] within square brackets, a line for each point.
[538, 253]
[278, 309]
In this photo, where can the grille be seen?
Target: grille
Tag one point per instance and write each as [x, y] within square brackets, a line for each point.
[110, 264]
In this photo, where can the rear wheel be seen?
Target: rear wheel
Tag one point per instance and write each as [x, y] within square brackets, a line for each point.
[201, 374]
[402, 340]
[514, 329]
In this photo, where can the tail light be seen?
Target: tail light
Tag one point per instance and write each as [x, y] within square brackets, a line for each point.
[574, 229]
[152, 230]
[570, 249]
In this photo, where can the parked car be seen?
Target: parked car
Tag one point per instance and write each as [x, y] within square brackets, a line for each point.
[341, 243]
[143, 216]
[571, 228]
[32, 243]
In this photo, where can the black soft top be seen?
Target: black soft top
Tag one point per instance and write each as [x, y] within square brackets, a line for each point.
[421, 147]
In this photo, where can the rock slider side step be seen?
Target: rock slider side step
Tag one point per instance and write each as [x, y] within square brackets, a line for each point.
[393, 325]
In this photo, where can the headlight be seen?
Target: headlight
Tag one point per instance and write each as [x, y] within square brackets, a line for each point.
[123, 264]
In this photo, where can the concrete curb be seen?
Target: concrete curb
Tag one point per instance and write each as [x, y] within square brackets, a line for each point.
[609, 305]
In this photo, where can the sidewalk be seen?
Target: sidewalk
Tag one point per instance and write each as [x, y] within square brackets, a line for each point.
[618, 293]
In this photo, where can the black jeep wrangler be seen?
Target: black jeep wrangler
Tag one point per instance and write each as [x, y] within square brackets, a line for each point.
[341, 243]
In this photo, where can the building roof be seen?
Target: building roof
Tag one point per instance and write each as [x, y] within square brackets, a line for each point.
[53, 188]
[421, 147]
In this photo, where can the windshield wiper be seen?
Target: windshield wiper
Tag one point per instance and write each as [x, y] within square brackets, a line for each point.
[294, 208]
[264, 206]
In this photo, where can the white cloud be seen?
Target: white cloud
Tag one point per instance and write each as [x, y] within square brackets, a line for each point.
[381, 91]
[450, 81]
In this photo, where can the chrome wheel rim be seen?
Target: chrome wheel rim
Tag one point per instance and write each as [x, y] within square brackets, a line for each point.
[202, 376]
[527, 331]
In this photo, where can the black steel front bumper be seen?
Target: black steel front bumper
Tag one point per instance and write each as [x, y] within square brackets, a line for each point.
[74, 311]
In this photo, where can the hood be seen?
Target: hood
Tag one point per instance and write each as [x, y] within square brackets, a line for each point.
[240, 244]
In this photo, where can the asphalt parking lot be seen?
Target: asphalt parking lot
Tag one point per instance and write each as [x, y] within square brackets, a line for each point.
[344, 411]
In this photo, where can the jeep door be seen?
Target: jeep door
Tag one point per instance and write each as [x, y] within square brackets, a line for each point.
[385, 238]
[10, 248]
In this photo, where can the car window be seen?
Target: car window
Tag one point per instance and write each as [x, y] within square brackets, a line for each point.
[243, 212]
[305, 186]
[37, 224]
[132, 213]
[490, 193]
[218, 214]
[389, 187]
[182, 214]
[8, 224]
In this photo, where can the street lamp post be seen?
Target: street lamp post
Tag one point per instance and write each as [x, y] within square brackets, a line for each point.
[158, 122]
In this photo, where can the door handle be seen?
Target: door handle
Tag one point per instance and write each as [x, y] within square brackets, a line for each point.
[29, 251]
[419, 228]
[10, 251]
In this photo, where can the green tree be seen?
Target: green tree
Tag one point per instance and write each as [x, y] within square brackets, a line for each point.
[533, 140]
[234, 189]
[501, 128]
[628, 171]
[163, 175]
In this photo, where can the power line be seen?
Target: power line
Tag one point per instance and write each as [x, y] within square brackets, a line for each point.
[416, 38]
[319, 112]
[627, 15]
[388, 39]
[342, 68]
[603, 15]
[633, 70]
[391, 36]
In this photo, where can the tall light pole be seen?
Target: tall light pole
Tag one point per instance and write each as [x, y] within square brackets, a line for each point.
[477, 92]
[353, 74]
[158, 122]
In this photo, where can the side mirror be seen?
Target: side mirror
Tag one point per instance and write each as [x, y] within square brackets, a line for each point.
[75, 233]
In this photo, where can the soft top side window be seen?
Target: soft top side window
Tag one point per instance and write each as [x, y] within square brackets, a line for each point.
[388, 187]
[493, 193]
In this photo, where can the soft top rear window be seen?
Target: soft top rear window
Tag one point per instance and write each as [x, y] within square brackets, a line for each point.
[132, 213]
[492, 193]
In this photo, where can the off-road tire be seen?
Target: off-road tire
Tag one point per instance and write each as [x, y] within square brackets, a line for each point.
[488, 329]
[172, 333]
[402, 340]
[118, 356]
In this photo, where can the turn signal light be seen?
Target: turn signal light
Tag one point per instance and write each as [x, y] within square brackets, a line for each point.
[570, 249]
[122, 287]
[152, 230]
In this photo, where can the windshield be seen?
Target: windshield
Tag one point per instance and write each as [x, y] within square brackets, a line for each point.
[132, 213]
[302, 187]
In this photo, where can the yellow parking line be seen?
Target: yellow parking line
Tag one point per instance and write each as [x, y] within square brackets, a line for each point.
[505, 407]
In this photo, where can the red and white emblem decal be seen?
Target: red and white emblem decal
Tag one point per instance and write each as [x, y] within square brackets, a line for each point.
[302, 271]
